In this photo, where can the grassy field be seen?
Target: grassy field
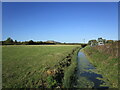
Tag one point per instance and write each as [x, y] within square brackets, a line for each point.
[34, 66]
[105, 58]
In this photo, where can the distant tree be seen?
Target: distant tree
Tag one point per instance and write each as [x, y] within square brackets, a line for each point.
[104, 40]
[83, 45]
[31, 42]
[24, 43]
[93, 42]
[38, 42]
[9, 41]
[109, 41]
[15, 42]
[1, 42]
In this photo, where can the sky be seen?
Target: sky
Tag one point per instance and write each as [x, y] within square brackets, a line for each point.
[60, 21]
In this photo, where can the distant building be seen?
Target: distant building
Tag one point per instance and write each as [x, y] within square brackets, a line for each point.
[101, 41]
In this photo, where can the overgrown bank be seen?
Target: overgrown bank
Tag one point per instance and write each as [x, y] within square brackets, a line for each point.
[70, 77]
[62, 75]
[105, 59]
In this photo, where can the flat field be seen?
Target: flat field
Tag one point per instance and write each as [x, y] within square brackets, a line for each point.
[25, 65]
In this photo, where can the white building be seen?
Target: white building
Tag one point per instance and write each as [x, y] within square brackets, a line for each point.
[100, 41]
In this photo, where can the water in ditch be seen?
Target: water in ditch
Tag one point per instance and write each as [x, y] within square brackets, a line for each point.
[86, 74]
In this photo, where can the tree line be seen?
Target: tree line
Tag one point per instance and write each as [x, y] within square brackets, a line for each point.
[10, 41]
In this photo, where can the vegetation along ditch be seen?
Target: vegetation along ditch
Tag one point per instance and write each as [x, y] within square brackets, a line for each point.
[62, 74]
[105, 59]
[60, 66]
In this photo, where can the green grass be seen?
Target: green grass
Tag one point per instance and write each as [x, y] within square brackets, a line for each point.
[69, 78]
[106, 64]
[25, 66]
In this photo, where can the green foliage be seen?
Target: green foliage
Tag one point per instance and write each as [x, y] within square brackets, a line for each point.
[69, 76]
[93, 42]
[51, 81]
[15, 42]
[31, 42]
[9, 41]
[109, 41]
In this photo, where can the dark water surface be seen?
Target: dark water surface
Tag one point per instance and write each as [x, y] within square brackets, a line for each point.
[86, 74]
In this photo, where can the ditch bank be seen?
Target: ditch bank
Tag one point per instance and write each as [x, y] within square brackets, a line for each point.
[106, 64]
[62, 74]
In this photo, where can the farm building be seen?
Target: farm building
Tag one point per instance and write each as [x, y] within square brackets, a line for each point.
[100, 41]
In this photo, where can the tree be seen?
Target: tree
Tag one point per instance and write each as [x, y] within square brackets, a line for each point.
[104, 40]
[25, 43]
[15, 42]
[109, 41]
[92, 42]
[31, 42]
[9, 41]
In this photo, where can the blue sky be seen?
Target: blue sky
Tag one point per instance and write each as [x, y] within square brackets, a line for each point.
[63, 21]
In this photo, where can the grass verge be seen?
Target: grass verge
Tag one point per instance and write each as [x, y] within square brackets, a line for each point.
[69, 76]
